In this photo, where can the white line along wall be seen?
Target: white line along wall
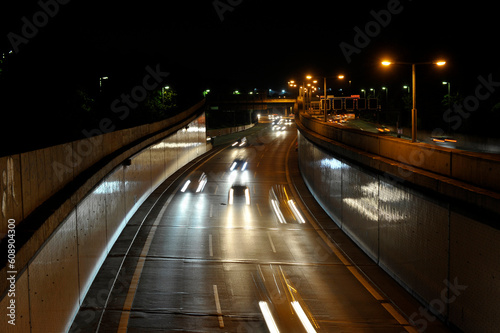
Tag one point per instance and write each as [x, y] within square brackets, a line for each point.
[62, 271]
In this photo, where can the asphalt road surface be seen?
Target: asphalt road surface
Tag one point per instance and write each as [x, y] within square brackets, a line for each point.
[234, 254]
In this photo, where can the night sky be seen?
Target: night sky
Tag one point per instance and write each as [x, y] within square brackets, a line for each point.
[236, 44]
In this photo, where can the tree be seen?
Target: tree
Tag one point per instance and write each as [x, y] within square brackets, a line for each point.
[450, 100]
[158, 105]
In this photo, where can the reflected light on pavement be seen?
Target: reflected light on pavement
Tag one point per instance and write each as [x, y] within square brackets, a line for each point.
[295, 211]
[303, 318]
[268, 317]
[277, 211]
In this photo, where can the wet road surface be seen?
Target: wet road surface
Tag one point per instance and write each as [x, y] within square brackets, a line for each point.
[242, 260]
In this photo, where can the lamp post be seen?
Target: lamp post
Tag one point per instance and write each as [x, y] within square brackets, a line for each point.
[413, 88]
[163, 93]
[311, 88]
[386, 97]
[449, 92]
[101, 80]
[386, 92]
[449, 101]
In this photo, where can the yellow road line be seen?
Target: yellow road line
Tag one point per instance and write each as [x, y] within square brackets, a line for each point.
[127, 306]
[217, 306]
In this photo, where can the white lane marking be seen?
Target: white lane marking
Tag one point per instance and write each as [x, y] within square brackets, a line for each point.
[211, 210]
[217, 305]
[210, 249]
[271, 241]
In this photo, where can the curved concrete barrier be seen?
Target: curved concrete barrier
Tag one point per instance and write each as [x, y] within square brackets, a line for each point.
[61, 245]
[462, 175]
[437, 236]
[477, 169]
[228, 130]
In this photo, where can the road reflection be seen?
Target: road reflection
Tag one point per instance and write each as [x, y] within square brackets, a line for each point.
[284, 206]
[280, 302]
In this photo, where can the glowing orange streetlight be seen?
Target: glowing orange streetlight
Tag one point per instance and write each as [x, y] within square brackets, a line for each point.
[414, 94]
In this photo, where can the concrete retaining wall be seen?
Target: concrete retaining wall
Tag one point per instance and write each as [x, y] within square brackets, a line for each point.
[29, 179]
[59, 260]
[444, 251]
[478, 169]
[228, 130]
[461, 175]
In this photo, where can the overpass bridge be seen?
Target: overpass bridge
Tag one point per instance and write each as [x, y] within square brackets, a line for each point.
[107, 240]
[256, 102]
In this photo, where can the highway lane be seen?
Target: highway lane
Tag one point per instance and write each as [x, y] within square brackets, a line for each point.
[205, 264]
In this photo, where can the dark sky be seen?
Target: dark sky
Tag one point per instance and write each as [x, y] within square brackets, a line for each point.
[240, 44]
[63, 47]
[257, 42]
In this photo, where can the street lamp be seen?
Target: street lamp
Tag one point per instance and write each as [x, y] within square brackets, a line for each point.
[413, 88]
[163, 93]
[101, 80]
[342, 77]
[307, 98]
[310, 77]
[449, 93]
[449, 101]
[313, 88]
[386, 93]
